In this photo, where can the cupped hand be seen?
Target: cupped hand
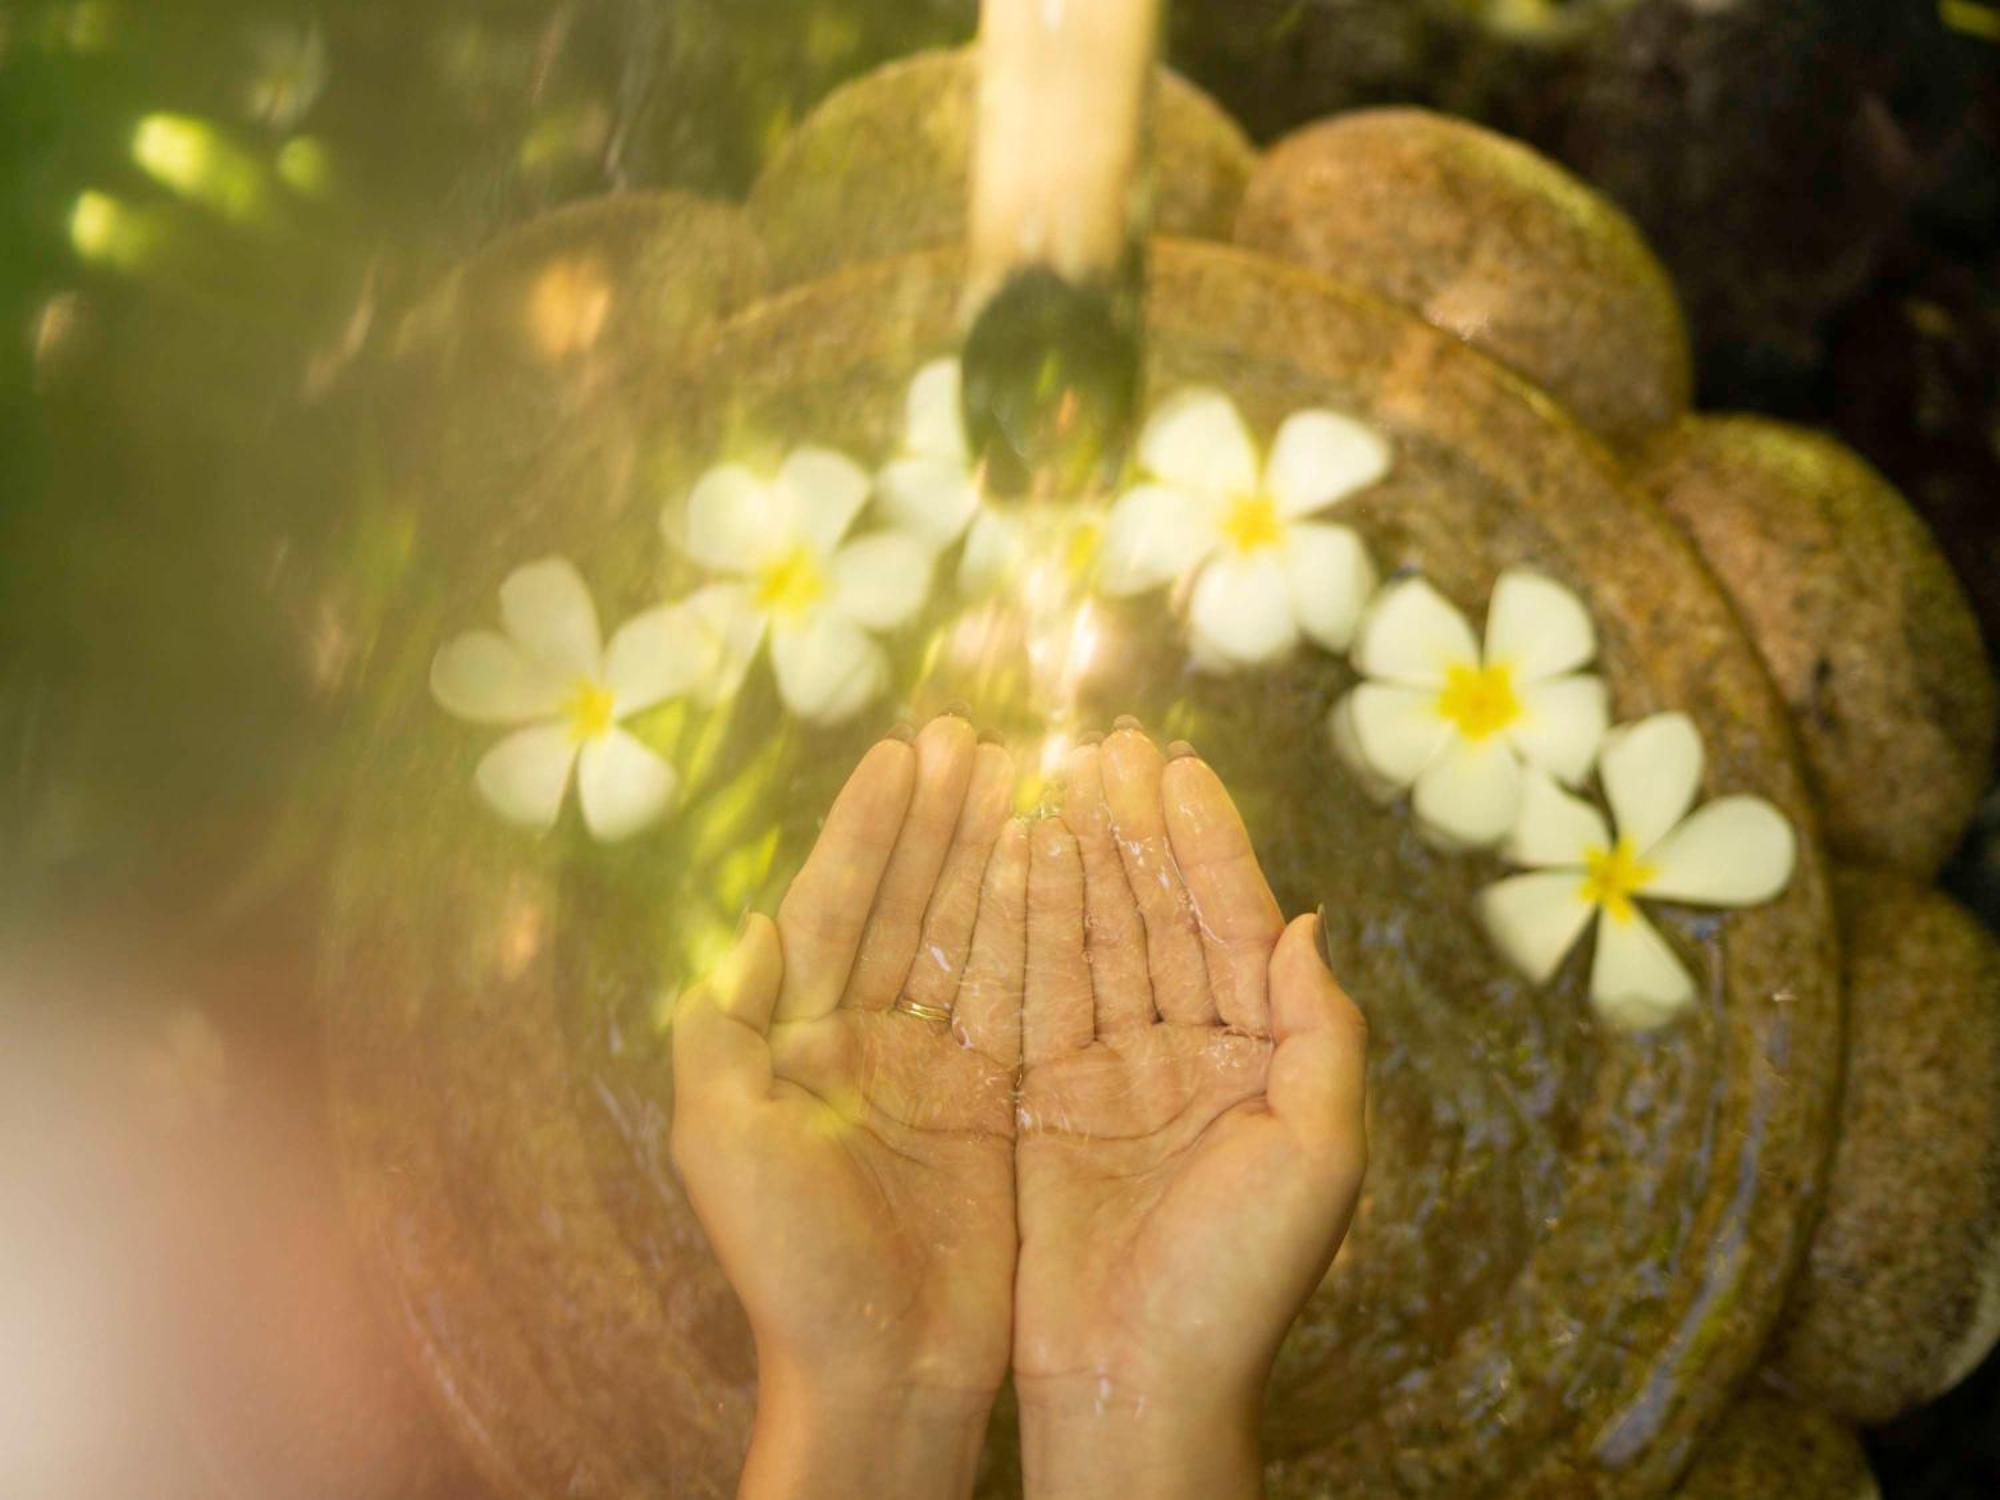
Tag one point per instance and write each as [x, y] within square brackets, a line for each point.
[1191, 1140]
[852, 1163]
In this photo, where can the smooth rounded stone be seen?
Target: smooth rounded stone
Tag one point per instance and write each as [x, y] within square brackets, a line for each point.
[1767, 1448]
[1899, 1298]
[1860, 619]
[528, 350]
[1553, 1209]
[1488, 240]
[882, 167]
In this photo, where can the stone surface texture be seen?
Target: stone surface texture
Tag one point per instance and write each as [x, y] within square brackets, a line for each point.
[1860, 619]
[1491, 241]
[1900, 1295]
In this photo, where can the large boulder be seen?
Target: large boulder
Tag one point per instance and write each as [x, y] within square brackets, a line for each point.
[1859, 618]
[1900, 1295]
[1769, 1449]
[1488, 240]
[883, 167]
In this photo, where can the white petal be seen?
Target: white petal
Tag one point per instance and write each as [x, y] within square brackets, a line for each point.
[1534, 920]
[524, 775]
[994, 548]
[733, 519]
[1154, 535]
[547, 610]
[826, 490]
[1340, 724]
[828, 668]
[732, 628]
[658, 655]
[931, 498]
[1332, 579]
[1537, 627]
[1555, 830]
[623, 785]
[1636, 981]
[1471, 794]
[933, 422]
[881, 580]
[1196, 440]
[1736, 851]
[1651, 771]
[1562, 725]
[1395, 731]
[1242, 608]
[1320, 457]
[484, 677]
[1412, 634]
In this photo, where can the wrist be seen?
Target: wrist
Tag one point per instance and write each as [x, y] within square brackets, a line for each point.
[1090, 1435]
[835, 1438]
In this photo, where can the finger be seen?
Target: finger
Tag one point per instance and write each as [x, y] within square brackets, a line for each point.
[1132, 767]
[820, 921]
[1056, 1006]
[720, 1051]
[889, 941]
[1115, 937]
[1319, 1070]
[1235, 912]
[947, 935]
[987, 1016]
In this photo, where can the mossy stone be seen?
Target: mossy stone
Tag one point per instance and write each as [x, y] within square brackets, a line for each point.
[1900, 1295]
[1859, 618]
[1768, 1448]
[1552, 1207]
[1488, 240]
[882, 166]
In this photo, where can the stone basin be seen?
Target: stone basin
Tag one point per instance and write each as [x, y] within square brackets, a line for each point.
[1574, 1242]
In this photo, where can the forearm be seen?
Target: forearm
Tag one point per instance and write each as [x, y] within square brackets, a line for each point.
[1077, 1444]
[888, 1445]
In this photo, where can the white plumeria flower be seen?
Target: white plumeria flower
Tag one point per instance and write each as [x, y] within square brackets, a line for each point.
[550, 672]
[1735, 851]
[933, 492]
[818, 601]
[1455, 722]
[1264, 574]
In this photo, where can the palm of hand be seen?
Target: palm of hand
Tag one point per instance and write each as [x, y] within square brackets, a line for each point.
[890, 1149]
[1175, 1203]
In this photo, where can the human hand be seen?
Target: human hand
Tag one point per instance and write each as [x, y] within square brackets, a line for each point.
[853, 1164]
[1191, 1140]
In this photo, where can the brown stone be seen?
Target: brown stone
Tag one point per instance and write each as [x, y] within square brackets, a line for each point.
[1858, 616]
[1488, 240]
[1551, 1207]
[882, 166]
[1769, 1449]
[1900, 1295]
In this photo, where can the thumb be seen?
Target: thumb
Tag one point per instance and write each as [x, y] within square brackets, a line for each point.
[1319, 1070]
[720, 1051]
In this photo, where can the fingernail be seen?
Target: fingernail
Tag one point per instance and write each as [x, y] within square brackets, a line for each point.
[901, 731]
[990, 737]
[1320, 940]
[1182, 750]
[743, 923]
[1128, 722]
[1094, 737]
[958, 708]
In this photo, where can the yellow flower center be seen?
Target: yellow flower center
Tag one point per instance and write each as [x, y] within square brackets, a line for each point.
[1612, 877]
[791, 584]
[1480, 701]
[1252, 522]
[588, 711]
[1081, 547]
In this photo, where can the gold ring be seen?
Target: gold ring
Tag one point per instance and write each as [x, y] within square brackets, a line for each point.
[921, 1011]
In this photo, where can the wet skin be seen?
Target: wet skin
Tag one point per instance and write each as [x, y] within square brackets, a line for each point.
[1120, 1168]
